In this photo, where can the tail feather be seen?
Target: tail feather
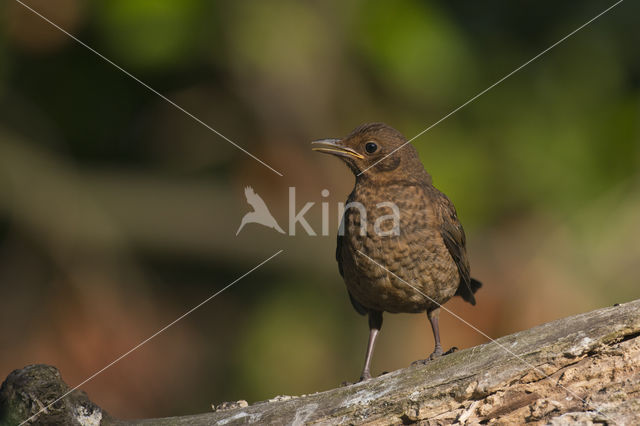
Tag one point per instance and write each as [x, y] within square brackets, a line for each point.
[467, 291]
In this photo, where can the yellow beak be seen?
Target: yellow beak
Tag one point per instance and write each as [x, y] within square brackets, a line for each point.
[333, 146]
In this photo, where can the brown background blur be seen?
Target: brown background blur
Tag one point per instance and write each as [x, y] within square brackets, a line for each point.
[118, 212]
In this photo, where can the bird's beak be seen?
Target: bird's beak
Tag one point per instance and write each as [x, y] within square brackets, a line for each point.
[333, 146]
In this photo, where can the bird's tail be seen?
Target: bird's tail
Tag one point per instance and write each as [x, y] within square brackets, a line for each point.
[467, 291]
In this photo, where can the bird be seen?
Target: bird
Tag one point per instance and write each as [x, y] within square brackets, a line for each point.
[419, 267]
[260, 213]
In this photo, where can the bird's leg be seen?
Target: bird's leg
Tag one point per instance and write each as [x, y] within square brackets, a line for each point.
[437, 351]
[375, 323]
[433, 319]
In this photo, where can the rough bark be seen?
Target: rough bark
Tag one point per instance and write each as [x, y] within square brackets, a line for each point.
[584, 368]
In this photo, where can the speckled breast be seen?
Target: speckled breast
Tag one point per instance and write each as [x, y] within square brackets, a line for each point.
[410, 270]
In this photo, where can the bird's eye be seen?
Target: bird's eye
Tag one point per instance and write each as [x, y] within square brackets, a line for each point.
[371, 147]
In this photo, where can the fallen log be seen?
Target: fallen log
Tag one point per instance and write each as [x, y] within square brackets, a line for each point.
[584, 368]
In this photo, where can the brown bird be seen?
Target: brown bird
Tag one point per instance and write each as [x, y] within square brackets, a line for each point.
[400, 246]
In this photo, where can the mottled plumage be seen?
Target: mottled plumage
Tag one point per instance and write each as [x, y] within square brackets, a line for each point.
[429, 251]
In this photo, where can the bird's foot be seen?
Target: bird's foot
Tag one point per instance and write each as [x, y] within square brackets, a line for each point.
[437, 353]
[365, 376]
[452, 350]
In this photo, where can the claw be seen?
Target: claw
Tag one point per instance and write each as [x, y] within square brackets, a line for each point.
[452, 350]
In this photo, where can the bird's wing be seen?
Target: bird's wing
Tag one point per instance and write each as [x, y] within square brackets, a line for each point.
[254, 199]
[455, 240]
[339, 254]
[356, 305]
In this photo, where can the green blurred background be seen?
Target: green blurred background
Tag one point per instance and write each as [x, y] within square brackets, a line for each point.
[118, 212]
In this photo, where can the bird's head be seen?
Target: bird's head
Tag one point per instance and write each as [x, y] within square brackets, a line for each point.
[376, 150]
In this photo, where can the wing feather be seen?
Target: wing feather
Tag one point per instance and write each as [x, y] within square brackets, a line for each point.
[356, 305]
[455, 240]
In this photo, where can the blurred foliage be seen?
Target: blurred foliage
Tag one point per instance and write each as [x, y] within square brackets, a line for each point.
[118, 212]
[434, 62]
[150, 34]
